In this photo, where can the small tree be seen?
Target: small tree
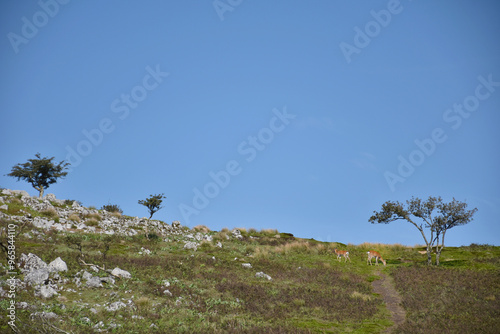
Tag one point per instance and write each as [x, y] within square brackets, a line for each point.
[449, 215]
[153, 203]
[452, 214]
[40, 172]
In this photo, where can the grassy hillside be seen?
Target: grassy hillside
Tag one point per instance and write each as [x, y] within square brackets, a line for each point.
[241, 281]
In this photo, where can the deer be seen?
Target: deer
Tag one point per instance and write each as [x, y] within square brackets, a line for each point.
[376, 255]
[341, 253]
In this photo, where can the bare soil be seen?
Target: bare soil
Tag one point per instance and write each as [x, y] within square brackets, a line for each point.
[385, 287]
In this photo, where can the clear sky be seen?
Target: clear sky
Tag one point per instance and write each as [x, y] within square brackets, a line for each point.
[304, 116]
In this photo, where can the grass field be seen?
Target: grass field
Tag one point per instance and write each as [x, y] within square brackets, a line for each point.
[211, 291]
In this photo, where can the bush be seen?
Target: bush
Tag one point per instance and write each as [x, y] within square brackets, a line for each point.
[94, 216]
[71, 201]
[201, 228]
[49, 213]
[114, 208]
[153, 237]
[92, 222]
[74, 217]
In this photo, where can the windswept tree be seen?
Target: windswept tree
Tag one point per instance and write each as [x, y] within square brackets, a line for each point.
[153, 203]
[433, 214]
[451, 214]
[40, 172]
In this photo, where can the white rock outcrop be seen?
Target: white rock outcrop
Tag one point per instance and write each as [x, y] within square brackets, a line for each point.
[121, 273]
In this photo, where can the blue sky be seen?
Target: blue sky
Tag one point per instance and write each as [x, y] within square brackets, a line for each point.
[304, 116]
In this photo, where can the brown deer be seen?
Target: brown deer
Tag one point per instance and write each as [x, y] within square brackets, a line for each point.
[376, 255]
[341, 253]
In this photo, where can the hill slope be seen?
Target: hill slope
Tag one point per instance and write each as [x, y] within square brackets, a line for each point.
[80, 269]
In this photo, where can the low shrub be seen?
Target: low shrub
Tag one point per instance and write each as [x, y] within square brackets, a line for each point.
[92, 222]
[49, 213]
[112, 208]
[74, 217]
[94, 216]
[201, 228]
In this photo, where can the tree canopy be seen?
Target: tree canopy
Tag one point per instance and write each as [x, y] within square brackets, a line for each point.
[448, 215]
[153, 203]
[40, 172]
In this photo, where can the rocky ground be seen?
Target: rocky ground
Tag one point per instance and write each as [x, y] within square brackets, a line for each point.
[53, 281]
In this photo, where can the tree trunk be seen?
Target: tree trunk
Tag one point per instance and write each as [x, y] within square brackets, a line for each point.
[438, 250]
[429, 244]
[40, 194]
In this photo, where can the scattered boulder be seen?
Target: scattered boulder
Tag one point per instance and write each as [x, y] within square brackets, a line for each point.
[44, 315]
[144, 251]
[176, 224]
[52, 198]
[236, 233]
[108, 280]
[191, 245]
[15, 192]
[47, 291]
[4, 207]
[115, 306]
[246, 265]
[86, 275]
[36, 276]
[121, 273]
[263, 275]
[57, 265]
[94, 282]
[31, 262]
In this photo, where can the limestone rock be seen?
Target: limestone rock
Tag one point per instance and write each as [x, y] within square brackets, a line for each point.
[31, 262]
[58, 265]
[121, 273]
[115, 306]
[191, 245]
[86, 275]
[37, 276]
[47, 291]
[263, 275]
[236, 233]
[94, 282]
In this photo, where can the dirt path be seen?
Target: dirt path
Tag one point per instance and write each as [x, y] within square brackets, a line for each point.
[385, 287]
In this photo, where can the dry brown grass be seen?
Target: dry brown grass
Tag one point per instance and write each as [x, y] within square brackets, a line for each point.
[94, 216]
[49, 213]
[262, 252]
[269, 231]
[201, 228]
[92, 222]
[16, 200]
[74, 217]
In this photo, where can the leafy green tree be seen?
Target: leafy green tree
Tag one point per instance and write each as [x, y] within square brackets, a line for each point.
[40, 172]
[448, 216]
[153, 203]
